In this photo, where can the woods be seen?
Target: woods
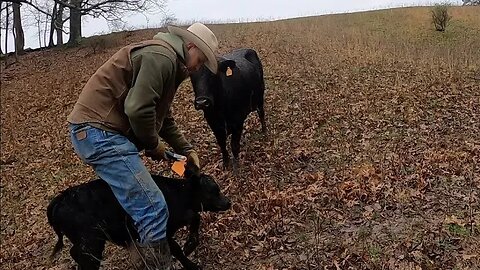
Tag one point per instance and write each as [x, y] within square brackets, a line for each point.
[53, 19]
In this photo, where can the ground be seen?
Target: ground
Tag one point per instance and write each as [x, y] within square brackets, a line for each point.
[372, 159]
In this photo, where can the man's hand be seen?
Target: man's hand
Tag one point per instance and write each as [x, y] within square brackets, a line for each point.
[192, 159]
[157, 153]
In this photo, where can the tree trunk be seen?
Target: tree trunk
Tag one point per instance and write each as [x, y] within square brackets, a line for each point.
[6, 33]
[75, 23]
[52, 26]
[15, 53]
[39, 29]
[45, 31]
[1, 4]
[59, 24]
[17, 25]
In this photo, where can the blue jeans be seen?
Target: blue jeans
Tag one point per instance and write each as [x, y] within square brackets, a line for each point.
[116, 160]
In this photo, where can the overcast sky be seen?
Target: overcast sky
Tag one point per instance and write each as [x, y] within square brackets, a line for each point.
[238, 10]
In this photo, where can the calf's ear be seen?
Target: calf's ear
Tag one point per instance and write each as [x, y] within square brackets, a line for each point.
[223, 64]
[191, 170]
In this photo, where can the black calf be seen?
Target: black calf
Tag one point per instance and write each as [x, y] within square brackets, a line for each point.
[89, 215]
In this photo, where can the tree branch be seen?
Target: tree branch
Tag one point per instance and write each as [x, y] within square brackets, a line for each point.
[28, 3]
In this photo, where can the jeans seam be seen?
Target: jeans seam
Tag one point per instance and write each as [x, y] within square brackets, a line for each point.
[134, 175]
[146, 236]
[79, 127]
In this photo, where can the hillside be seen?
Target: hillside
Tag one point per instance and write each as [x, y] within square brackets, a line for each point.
[372, 160]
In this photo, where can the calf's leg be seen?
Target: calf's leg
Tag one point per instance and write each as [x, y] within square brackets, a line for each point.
[193, 236]
[88, 253]
[177, 252]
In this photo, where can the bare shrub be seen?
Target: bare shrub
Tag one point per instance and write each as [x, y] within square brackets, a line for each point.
[100, 44]
[440, 17]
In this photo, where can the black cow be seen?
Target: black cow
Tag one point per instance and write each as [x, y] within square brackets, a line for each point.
[228, 97]
[89, 215]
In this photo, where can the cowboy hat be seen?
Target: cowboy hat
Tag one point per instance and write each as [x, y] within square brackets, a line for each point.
[203, 38]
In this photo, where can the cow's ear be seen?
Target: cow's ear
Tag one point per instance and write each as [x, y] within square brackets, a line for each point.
[224, 64]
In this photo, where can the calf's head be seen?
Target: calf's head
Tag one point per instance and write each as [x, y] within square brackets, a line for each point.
[207, 85]
[207, 192]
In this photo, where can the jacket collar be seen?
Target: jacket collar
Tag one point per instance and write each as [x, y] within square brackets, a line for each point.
[177, 44]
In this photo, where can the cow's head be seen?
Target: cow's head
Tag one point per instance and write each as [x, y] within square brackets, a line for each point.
[207, 192]
[207, 85]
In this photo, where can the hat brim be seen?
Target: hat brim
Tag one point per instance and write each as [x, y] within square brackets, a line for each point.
[211, 62]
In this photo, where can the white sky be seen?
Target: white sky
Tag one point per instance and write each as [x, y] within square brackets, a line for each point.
[237, 10]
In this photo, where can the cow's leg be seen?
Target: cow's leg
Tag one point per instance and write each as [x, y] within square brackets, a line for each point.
[177, 252]
[222, 142]
[261, 114]
[237, 130]
[220, 132]
[193, 236]
[88, 254]
[260, 100]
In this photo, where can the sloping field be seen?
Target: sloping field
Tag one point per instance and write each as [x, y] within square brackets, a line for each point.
[372, 160]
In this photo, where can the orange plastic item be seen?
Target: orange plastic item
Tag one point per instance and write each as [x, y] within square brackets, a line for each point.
[229, 72]
[179, 167]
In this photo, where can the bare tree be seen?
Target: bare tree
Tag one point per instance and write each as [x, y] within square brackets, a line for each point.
[75, 22]
[40, 8]
[58, 23]
[169, 19]
[7, 15]
[471, 2]
[1, 10]
[52, 26]
[112, 11]
[38, 20]
[46, 29]
[17, 25]
[31, 3]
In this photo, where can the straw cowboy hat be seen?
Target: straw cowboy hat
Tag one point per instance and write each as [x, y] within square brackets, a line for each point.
[203, 38]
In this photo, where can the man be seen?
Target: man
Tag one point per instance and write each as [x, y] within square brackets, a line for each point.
[125, 108]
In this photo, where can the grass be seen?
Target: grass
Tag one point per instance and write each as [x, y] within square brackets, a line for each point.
[375, 253]
[458, 230]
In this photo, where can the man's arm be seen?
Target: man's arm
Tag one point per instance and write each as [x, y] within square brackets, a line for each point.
[154, 70]
[172, 135]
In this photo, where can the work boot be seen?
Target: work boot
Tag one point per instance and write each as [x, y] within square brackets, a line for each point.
[155, 256]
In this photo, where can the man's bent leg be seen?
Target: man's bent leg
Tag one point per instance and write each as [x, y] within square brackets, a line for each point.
[116, 160]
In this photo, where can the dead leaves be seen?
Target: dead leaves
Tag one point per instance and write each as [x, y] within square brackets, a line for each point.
[365, 185]
[372, 158]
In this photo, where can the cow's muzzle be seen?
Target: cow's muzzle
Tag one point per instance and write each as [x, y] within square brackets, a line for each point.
[202, 103]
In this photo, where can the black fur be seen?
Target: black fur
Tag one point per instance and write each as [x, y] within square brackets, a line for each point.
[227, 100]
[89, 215]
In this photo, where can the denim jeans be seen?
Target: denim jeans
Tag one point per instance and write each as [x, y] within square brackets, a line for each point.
[116, 160]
